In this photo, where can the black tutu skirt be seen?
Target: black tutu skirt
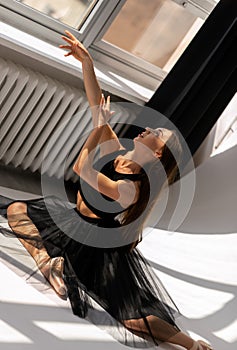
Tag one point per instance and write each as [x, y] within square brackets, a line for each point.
[116, 279]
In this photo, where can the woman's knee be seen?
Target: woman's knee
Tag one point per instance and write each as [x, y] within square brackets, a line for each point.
[139, 324]
[14, 209]
[134, 324]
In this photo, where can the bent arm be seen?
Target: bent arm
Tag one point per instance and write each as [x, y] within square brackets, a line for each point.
[99, 135]
[125, 192]
[88, 150]
[122, 191]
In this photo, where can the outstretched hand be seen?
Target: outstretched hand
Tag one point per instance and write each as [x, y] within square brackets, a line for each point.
[103, 113]
[75, 47]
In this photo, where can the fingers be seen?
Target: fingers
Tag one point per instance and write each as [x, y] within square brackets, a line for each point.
[105, 108]
[70, 35]
[108, 103]
[105, 103]
[102, 100]
[69, 41]
[65, 47]
[74, 46]
[72, 39]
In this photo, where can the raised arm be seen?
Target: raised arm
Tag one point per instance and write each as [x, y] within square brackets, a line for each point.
[88, 150]
[78, 51]
[93, 90]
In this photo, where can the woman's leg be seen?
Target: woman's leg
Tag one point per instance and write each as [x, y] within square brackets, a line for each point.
[163, 331]
[21, 224]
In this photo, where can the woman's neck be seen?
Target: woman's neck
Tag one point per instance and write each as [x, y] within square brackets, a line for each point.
[133, 161]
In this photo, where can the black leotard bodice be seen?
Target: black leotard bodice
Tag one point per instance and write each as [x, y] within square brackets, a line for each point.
[103, 206]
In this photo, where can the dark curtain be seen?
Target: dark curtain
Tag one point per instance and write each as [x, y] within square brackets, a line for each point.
[203, 81]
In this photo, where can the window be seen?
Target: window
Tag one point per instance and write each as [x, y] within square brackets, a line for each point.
[156, 31]
[138, 40]
[71, 12]
[146, 38]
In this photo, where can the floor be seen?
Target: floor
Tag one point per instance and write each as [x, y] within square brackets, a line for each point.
[199, 271]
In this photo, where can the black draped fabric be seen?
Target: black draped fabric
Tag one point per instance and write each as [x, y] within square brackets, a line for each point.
[117, 278]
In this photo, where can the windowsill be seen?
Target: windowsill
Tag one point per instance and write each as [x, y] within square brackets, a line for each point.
[50, 55]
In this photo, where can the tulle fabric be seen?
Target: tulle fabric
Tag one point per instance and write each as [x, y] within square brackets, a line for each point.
[118, 279]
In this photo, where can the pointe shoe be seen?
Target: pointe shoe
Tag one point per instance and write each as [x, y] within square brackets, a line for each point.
[52, 269]
[55, 277]
[201, 345]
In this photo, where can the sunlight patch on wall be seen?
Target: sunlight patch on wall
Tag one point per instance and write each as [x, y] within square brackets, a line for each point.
[73, 331]
[226, 129]
[10, 335]
[228, 333]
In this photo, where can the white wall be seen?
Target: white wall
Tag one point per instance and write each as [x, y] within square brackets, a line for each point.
[214, 208]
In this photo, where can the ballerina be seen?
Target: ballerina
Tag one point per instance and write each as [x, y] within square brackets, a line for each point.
[114, 274]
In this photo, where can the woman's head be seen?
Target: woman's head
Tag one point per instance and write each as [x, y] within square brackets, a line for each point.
[163, 145]
[150, 143]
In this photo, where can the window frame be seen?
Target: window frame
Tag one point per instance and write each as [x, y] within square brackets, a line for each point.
[91, 33]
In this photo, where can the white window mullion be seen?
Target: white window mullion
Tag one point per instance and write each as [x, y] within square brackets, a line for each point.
[129, 65]
[99, 20]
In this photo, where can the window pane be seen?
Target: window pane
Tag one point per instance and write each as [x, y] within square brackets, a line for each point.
[71, 12]
[156, 30]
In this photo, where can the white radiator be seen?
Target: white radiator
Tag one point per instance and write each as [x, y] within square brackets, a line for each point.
[42, 121]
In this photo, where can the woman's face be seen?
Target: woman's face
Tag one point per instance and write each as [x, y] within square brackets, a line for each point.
[154, 139]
